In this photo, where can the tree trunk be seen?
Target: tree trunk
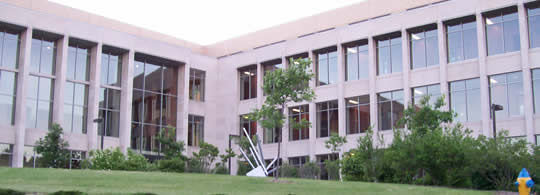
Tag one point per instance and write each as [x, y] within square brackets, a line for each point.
[276, 173]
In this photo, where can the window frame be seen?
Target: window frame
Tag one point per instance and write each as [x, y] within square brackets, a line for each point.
[330, 55]
[358, 105]
[195, 74]
[195, 121]
[328, 112]
[426, 33]
[303, 110]
[466, 92]
[392, 100]
[251, 71]
[388, 37]
[501, 13]
[354, 49]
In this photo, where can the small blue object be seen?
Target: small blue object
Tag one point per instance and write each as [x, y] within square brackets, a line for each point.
[530, 183]
[524, 173]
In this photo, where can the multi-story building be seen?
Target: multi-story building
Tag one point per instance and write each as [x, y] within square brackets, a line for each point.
[62, 65]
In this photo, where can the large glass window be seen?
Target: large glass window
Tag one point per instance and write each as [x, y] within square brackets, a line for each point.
[297, 114]
[358, 114]
[327, 118]
[6, 153]
[8, 85]
[154, 105]
[434, 91]
[76, 90]
[502, 31]
[249, 125]
[507, 90]
[327, 67]
[533, 13]
[389, 54]
[298, 161]
[195, 130]
[40, 87]
[196, 84]
[248, 82]
[109, 110]
[461, 39]
[272, 135]
[357, 61]
[424, 47]
[272, 66]
[536, 89]
[465, 99]
[111, 69]
[391, 108]
[9, 45]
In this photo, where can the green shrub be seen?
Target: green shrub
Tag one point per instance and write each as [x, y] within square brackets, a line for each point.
[309, 170]
[243, 168]
[222, 170]
[195, 166]
[106, 159]
[74, 192]
[53, 148]
[10, 192]
[172, 165]
[332, 168]
[287, 170]
[135, 162]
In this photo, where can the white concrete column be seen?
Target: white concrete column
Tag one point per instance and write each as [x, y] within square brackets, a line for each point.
[285, 130]
[93, 98]
[406, 66]
[441, 34]
[182, 114]
[128, 61]
[260, 98]
[20, 98]
[484, 84]
[372, 53]
[60, 81]
[342, 120]
[312, 111]
[527, 78]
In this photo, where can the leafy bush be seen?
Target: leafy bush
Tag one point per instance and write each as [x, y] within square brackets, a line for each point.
[206, 156]
[243, 168]
[172, 165]
[332, 168]
[135, 162]
[309, 170]
[10, 192]
[287, 170]
[107, 159]
[222, 170]
[195, 166]
[53, 148]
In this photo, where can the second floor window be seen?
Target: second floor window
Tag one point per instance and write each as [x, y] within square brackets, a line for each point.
[327, 118]
[536, 89]
[424, 47]
[389, 54]
[461, 39]
[327, 70]
[249, 125]
[391, 108]
[358, 114]
[111, 69]
[507, 90]
[533, 13]
[196, 84]
[434, 91]
[357, 60]
[248, 82]
[502, 31]
[296, 114]
[465, 99]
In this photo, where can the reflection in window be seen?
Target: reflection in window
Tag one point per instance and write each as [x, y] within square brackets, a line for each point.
[248, 82]
[39, 102]
[109, 110]
[6, 153]
[358, 120]
[327, 70]
[43, 56]
[249, 125]
[195, 130]
[272, 135]
[30, 158]
[434, 91]
[390, 106]
[536, 89]
[465, 99]
[327, 118]
[298, 161]
[507, 90]
[75, 107]
[424, 47]
[111, 69]
[502, 31]
[9, 53]
[78, 63]
[534, 25]
[8, 86]
[461, 39]
[389, 57]
[297, 114]
[196, 84]
[154, 104]
[357, 62]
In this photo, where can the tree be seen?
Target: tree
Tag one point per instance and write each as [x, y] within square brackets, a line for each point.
[284, 86]
[206, 156]
[169, 146]
[53, 148]
[334, 143]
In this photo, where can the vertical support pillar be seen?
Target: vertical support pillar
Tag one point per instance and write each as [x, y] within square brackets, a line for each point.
[312, 111]
[182, 114]
[484, 90]
[441, 34]
[128, 61]
[20, 98]
[93, 97]
[527, 78]
[406, 67]
[285, 130]
[260, 99]
[372, 50]
[341, 91]
[59, 82]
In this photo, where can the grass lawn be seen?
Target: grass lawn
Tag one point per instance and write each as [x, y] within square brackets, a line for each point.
[123, 182]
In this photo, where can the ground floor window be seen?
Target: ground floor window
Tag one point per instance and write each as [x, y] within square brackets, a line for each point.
[6, 153]
[195, 130]
[320, 160]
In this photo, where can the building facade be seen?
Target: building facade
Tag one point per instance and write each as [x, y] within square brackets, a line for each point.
[65, 66]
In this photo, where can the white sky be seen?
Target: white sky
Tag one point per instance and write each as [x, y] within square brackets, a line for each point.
[205, 21]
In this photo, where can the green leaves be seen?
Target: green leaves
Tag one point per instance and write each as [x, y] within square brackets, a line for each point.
[53, 148]
[169, 146]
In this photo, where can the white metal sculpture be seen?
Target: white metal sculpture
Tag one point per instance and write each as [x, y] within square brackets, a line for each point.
[262, 170]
